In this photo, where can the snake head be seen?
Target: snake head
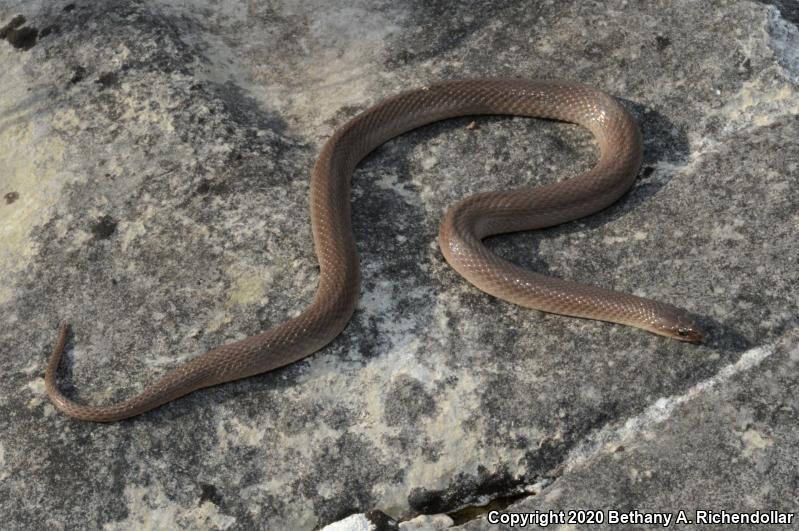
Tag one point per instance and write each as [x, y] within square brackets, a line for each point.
[689, 333]
[678, 325]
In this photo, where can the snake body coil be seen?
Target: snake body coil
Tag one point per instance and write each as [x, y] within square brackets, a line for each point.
[463, 228]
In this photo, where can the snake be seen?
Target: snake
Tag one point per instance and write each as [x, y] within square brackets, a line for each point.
[464, 227]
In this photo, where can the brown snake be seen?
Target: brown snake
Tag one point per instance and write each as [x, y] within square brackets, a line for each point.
[464, 226]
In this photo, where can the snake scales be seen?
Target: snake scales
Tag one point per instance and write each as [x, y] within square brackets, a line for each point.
[462, 229]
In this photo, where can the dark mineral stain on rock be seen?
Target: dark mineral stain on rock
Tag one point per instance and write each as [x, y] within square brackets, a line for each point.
[107, 80]
[381, 521]
[104, 228]
[23, 37]
[10, 197]
[461, 487]
[16, 22]
[68, 8]
[472, 512]
[210, 493]
[204, 187]
[78, 75]
[662, 42]
[217, 188]
[48, 30]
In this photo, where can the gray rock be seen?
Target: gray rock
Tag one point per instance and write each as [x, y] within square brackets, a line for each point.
[727, 445]
[155, 161]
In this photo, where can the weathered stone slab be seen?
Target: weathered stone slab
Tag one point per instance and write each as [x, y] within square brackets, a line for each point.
[155, 160]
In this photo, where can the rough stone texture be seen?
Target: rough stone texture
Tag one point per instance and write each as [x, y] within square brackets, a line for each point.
[155, 159]
[729, 444]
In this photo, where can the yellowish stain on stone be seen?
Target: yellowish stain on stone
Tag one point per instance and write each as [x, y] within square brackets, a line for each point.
[553, 494]
[28, 171]
[250, 284]
[34, 403]
[133, 112]
[67, 119]
[129, 231]
[233, 432]
[36, 387]
[754, 441]
[39, 398]
[78, 239]
[729, 231]
[761, 101]
[219, 321]
[307, 442]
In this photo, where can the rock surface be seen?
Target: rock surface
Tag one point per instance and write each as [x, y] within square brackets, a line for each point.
[155, 159]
